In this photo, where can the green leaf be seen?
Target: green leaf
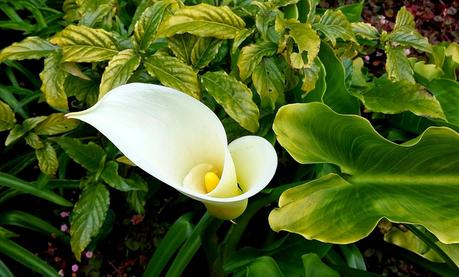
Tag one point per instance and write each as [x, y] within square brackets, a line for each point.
[307, 40]
[182, 45]
[204, 51]
[336, 94]
[88, 216]
[365, 30]
[354, 258]
[352, 11]
[173, 73]
[202, 20]
[313, 266]
[26, 258]
[91, 156]
[7, 118]
[111, 177]
[334, 25]
[25, 187]
[447, 93]
[33, 140]
[148, 23]
[47, 159]
[252, 55]
[84, 44]
[20, 130]
[4, 270]
[240, 37]
[53, 78]
[404, 19]
[263, 266]
[314, 82]
[408, 37]
[453, 51]
[234, 96]
[86, 91]
[29, 48]
[398, 66]
[311, 75]
[70, 8]
[55, 124]
[92, 17]
[416, 182]
[396, 97]
[269, 82]
[118, 71]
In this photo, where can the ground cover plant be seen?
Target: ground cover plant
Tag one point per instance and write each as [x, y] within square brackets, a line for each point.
[117, 115]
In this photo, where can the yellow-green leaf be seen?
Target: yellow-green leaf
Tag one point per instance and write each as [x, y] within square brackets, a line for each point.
[404, 18]
[55, 124]
[307, 40]
[33, 140]
[70, 8]
[84, 44]
[269, 82]
[7, 119]
[365, 30]
[29, 48]
[234, 96]
[251, 56]
[86, 91]
[409, 37]
[47, 159]
[53, 78]
[182, 46]
[118, 71]
[173, 73]
[398, 66]
[204, 51]
[334, 24]
[203, 20]
[20, 130]
[453, 51]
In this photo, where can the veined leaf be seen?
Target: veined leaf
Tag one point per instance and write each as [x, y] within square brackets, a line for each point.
[240, 37]
[7, 118]
[269, 82]
[447, 93]
[84, 44]
[91, 156]
[203, 20]
[404, 19]
[70, 8]
[181, 46]
[234, 96]
[252, 55]
[334, 25]
[111, 177]
[307, 40]
[408, 37]
[88, 216]
[173, 73]
[92, 17]
[398, 66]
[53, 78]
[417, 182]
[148, 23]
[311, 75]
[396, 97]
[20, 130]
[33, 140]
[86, 6]
[55, 124]
[119, 70]
[47, 159]
[86, 91]
[29, 48]
[313, 266]
[204, 51]
[365, 30]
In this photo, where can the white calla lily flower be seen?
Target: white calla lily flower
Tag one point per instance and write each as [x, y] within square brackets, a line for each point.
[181, 142]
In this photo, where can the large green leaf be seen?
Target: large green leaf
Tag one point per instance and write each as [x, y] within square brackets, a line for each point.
[173, 73]
[417, 182]
[91, 156]
[313, 266]
[7, 119]
[336, 94]
[203, 20]
[269, 82]
[234, 96]
[398, 66]
[308, 42]
[84, 44]
[119, 70]
[252, 55]
[447, 93]
[53, 78]
[29, 48]
[334, 25]
[88, 216]
[263, 266]
[396, 97]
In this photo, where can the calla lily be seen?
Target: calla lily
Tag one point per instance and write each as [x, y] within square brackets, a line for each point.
[181, 142]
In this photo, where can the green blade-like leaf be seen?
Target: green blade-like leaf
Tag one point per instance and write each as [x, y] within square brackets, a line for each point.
[53, 78]
[408, 37]
[84, 44]
[447, 93]
[29, 48]
[334, 25]
[22, 186]
[263, 266]
[313, 266]
[119, 70]
[269, 82]
[55, 124]
[307, 40]
[173, 73]
[204, 51]
[88, 216]
[91, 156]
[252, 55]
[47, 159]
[398, 66]
[4, 270]
[203, 20]
[234, 96]
[27, 258]
[7, 118]
[396, 97]
[336, 94]
[417, 182]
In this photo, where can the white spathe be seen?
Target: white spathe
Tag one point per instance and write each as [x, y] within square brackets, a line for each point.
[177, 139]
